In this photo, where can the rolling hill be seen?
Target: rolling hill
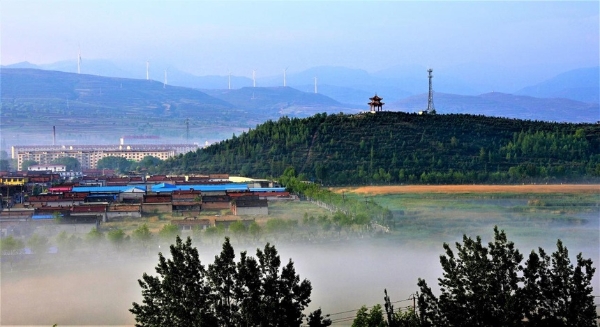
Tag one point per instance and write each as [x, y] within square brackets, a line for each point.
[396, 147]
[92, 108]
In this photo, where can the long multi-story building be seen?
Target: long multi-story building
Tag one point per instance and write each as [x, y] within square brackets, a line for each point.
[89, 155]
[178, 148]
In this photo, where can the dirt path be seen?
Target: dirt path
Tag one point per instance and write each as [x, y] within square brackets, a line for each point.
[541, 188]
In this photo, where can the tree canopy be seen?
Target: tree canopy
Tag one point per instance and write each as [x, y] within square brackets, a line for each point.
[119, 163]
[488, 286]
[71, 164]
[249, 292]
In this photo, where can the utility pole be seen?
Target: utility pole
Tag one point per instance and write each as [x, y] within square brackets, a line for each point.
[187, 129]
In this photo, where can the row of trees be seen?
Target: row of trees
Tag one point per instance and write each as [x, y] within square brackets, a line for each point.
[149, 164]
[481, 286]
[490, 286]
[405, 148]
[348, 211]
[141, 240]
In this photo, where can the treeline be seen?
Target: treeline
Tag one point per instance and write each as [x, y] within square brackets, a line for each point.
[38, 249]
[395, 147]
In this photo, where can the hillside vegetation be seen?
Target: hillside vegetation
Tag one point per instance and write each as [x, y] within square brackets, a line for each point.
[393, 147]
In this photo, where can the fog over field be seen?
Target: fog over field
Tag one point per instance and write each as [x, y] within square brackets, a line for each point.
[344, 274]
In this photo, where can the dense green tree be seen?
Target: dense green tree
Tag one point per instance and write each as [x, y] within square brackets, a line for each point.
[372, 318]
[168, 232]
[10, 246]
[316, 319]
[117, 163]
[483, 286]
[94, 236]
[26, 163]
[142, 236]
[555, 292]
[223, 281]
[180, 296]
[148, 162]
[116, 237]
[250, 292]
[407, 318]
[4, 164]
[38, 245]
[238, 228]
[254, 230]
[67, 244]
[71, 164]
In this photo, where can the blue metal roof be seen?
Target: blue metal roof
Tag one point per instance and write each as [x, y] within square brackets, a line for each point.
[40, 217]
[267, 189]
[164, 187]
[105, 189]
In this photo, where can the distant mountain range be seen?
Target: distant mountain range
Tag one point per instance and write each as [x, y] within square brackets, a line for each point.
[91, 108]
[350, 86]
[496, 104]
[579, 84]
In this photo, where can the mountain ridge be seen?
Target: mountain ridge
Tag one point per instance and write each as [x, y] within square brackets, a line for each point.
[396, 82]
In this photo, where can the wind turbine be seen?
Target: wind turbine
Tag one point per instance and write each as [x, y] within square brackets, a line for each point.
[253, 78]
[286, 68]
[165, 83]
[79, 61]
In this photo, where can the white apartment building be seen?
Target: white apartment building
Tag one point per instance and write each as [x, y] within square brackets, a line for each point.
[88, 158]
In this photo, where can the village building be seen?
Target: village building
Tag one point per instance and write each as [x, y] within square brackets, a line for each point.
[92, 213]
[249, 205]
[157, 203]
[124, 210]
[190, 200]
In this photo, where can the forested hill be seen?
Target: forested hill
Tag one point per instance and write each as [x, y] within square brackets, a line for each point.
[395, 147]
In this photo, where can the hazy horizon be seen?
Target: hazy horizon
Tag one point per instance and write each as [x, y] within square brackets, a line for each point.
[215, 38]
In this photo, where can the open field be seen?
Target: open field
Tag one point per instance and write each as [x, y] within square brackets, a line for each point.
[452, 189]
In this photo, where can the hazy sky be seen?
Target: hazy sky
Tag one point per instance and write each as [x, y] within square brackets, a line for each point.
[209, 37]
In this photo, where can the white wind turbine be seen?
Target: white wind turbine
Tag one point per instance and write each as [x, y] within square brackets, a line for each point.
[79, 61]
[284, 71]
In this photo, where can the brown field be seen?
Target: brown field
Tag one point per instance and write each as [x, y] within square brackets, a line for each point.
[527, 188]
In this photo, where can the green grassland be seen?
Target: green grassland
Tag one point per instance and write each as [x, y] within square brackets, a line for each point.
[430, 219]
[533, 219]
